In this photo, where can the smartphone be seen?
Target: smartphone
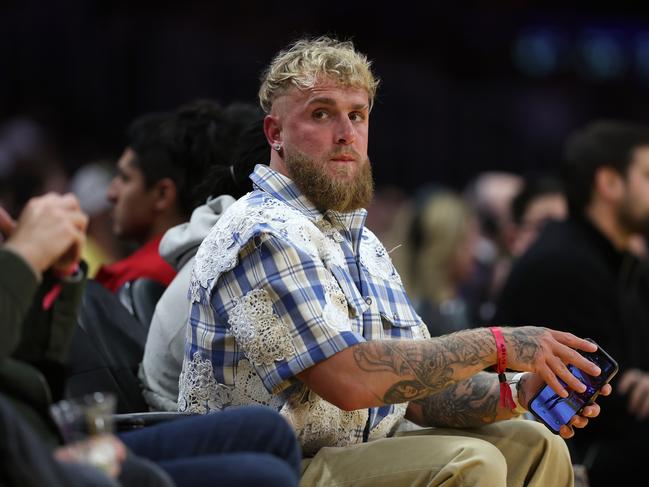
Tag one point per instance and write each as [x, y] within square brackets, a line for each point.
[553, 410]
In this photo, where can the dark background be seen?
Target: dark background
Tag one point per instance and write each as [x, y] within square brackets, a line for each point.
[497, 85]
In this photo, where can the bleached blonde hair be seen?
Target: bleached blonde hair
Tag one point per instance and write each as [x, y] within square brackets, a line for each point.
[307, 60]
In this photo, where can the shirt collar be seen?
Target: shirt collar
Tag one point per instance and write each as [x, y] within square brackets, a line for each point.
[285, 190]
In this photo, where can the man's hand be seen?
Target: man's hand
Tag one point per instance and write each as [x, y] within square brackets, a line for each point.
[50, 232]
[547, 353]
[635, 383]
[530, 385]
[105, 452]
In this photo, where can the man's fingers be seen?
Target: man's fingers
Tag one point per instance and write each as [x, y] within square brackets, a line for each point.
[551, 379]
[643, 409]
[638, 397]
[68, 201]
[566, 432]
[579, 421]
[582, 363]
[7, 224]
[628, 380]
[605, 390]
[573, 341]
[591, 411]
[561, 371]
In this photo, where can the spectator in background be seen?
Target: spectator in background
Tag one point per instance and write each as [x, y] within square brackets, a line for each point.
[581, 276]
[540, 200]
[442, 239]
[490, 194]
[227, 180]
[152, 192]
[90, 184]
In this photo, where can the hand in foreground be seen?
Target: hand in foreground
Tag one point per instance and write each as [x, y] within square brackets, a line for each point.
[50, 232]
[635, 383]
[547, 353]
[105, 452]
[530, 385]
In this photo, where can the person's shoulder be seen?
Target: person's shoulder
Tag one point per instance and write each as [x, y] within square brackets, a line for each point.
[256, 212]
[255, 217]
[558, 244]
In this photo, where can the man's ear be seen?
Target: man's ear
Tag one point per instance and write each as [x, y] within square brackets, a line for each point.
[609, 184]
[273, 129]
[166, 194]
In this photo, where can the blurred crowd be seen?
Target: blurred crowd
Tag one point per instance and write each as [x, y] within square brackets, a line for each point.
[565, 249]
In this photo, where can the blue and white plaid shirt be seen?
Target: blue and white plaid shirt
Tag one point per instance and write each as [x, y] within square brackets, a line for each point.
[278, 287]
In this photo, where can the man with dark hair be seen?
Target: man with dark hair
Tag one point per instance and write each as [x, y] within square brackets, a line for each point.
[581, 277]
[165, 345]
[165, 159]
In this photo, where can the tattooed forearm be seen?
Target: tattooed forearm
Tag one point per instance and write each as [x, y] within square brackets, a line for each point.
[470, 403]
[424, 367]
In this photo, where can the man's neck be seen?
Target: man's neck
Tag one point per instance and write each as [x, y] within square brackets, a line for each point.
[606, 221]
[160, 226]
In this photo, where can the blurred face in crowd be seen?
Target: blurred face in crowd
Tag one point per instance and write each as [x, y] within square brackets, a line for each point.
[633, 211]
[324, 133]
[133, 204]
[540, 210]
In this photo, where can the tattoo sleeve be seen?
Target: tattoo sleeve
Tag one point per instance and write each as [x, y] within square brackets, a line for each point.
[416, 369]
[469, 403]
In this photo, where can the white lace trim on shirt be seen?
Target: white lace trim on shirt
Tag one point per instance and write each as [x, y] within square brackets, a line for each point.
[390, 423]
[318, 423]
[375, 258]
[261, 334]
[219, 251]
[336, 310]
[201, 393]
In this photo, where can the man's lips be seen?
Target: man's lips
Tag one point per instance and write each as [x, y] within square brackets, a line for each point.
[343, 158]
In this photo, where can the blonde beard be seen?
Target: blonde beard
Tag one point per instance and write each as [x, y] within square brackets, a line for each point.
[326, 192]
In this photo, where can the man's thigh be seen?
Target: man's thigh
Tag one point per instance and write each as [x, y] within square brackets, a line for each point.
[534, 455]
[417, 460]
[512, 453]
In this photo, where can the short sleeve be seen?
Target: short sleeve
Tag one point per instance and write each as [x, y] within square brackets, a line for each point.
[284, 309]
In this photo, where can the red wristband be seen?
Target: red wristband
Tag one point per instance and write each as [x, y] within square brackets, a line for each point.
[506, 399]
[52, 294]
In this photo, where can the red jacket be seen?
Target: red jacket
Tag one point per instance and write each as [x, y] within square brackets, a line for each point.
[144, 262]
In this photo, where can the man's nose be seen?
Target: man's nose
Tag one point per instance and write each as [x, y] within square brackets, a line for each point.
[346, 132]
[112, 191]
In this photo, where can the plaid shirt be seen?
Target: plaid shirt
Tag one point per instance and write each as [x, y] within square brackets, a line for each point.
[277, 287]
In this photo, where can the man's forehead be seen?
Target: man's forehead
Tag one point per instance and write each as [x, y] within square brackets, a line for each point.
[127, 159]
[325, 92]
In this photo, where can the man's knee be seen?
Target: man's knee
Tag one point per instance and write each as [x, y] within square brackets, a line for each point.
[547, 443]
[478, 459]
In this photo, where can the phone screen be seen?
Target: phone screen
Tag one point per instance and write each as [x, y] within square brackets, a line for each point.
[553, 410]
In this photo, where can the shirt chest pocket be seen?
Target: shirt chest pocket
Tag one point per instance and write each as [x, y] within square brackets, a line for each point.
[398, 318]
[394, 316]
[356, 303]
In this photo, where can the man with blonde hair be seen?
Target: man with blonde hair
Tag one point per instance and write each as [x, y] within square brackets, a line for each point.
[297, 306]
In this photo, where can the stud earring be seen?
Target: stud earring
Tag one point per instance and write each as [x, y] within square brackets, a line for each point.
[277, 146]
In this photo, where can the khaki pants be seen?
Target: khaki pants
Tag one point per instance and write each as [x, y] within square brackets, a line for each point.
[508, 453]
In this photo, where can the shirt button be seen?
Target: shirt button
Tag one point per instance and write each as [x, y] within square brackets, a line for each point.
[368, 300]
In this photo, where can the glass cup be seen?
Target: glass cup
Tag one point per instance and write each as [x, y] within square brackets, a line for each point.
[82, 417]
[86, 425]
